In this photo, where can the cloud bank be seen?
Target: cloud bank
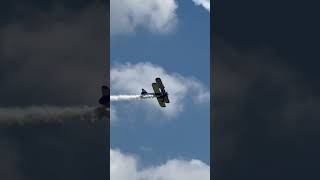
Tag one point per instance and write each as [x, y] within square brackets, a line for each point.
[131, 78]
[157, 16]
[124, 167]
[203, 3]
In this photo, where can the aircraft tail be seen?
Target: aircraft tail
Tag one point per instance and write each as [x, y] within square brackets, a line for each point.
[105, 99]
[143, 92]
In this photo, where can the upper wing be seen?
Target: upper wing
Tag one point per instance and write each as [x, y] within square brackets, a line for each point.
[161, 86]
[159, 82]
[156, 90]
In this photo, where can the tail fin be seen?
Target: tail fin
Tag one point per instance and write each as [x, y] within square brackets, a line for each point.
[144, 92]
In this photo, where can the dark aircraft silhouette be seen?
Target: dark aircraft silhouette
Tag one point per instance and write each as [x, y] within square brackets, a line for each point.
[159, 92]
[103, 112]
[105, 99]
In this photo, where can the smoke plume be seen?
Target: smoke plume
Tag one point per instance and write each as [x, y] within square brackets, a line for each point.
[55, 113]
[130, 97]
[49, 113]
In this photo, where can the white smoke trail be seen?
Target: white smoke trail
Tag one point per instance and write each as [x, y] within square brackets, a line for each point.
[48, 113]
[130, 97]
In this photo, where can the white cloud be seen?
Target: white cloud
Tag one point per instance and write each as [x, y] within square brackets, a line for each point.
[203, 3]
[131, 78]
[155, 15]
[124, 167]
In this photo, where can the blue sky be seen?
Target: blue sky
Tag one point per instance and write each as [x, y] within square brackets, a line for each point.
[181, 53]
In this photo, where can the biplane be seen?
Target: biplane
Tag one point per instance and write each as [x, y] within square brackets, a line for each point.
[159, 92]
